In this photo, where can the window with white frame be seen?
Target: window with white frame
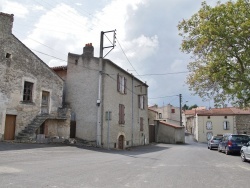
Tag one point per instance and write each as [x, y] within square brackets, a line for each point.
[121, 84]
[209, 125]
[160, 115]
[141, 101]
[226, 125]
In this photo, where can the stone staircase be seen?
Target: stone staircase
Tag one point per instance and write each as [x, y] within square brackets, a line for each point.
[29, 132]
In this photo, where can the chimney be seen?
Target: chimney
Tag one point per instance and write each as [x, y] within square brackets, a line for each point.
[88, 50]
[6, 24]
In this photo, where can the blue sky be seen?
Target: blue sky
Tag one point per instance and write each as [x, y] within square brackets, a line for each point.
[146, 30]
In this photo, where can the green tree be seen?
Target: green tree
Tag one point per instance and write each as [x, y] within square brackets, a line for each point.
[193, 106]
[219, 40]
[185, 107]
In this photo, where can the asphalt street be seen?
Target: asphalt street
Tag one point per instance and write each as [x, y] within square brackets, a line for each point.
[156, 165]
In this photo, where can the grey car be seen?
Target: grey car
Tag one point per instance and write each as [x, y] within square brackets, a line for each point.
[245, 152]
[214, 142]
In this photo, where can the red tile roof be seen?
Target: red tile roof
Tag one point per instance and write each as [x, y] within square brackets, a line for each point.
[222, 111]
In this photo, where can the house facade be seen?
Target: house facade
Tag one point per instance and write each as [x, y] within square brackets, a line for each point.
[109, 104]
[29, 90]
[206, 123]
[168, 114]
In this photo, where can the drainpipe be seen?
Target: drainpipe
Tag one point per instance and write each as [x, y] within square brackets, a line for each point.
[132, 111]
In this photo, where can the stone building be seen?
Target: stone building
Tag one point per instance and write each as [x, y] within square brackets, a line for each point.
[109, 105]
[164, 125]
[30, 92]
[168, 114]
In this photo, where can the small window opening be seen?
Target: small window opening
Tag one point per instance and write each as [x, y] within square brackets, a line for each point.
[76, 61]
[225, 117]
[127, 143]
[8, 55]
[114, 145]
[208, 117]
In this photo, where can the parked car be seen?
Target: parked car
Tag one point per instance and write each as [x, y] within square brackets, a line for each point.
[245, 152]
[214, 142]
[232, 143]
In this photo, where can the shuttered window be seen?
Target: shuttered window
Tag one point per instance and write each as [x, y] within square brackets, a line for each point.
[121, 114]
[141, 124]
[141, 101]
[121, 84]
[226, 125]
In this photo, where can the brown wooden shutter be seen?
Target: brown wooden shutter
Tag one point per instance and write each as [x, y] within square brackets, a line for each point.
[120, 110]
[141, 123]
[118, 82]
[139, 101]
[123, 114]
[143, 102]
[125, 85]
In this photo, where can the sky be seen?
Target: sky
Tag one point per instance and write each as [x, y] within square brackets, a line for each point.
[147, 38]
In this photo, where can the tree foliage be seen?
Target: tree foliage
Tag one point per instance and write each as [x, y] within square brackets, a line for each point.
[219, 40]
[193, 106]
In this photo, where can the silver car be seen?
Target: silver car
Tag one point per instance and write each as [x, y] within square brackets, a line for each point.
[245, 152]
[214, 142]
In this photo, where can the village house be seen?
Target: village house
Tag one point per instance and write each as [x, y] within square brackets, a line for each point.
[164, 125]
[109, 105]
[206, 123]
[30, 92]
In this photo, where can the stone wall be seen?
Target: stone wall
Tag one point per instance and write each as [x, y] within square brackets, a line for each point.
[243, 124]
[19, 66]
[169, 134]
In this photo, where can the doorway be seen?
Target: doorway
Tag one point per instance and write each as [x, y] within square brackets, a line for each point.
[121, 142]
[10, 127]
[45, 102]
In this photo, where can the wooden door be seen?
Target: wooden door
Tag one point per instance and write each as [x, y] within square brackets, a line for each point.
[72, 129]
[45, 102]
[10, 127]
[151, 133]
[120, 142]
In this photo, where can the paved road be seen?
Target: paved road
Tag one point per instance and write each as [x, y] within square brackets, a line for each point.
[161, 165]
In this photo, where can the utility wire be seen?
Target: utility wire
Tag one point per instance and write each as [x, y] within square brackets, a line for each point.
[164, 97]
[126, 56]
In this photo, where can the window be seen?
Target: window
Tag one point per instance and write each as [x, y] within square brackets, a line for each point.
[160, 115]
[121, 114]
[27, 92]
[141, 124]
[121, 84]
[225, 117]
[209, 135]
[208, 117]
[8, 55]
[226, 125]
[141, 101]
[173, 111]
[209, 125]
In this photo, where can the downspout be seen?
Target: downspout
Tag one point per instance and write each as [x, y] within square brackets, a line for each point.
[132, 136]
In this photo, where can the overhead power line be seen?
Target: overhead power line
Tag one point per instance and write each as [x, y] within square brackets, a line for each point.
[163, 97]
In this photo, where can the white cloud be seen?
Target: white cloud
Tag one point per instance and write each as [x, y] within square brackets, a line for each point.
[15, 8]
[37, 7]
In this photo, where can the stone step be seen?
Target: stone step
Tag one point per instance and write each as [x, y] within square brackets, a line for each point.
[29, 131]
